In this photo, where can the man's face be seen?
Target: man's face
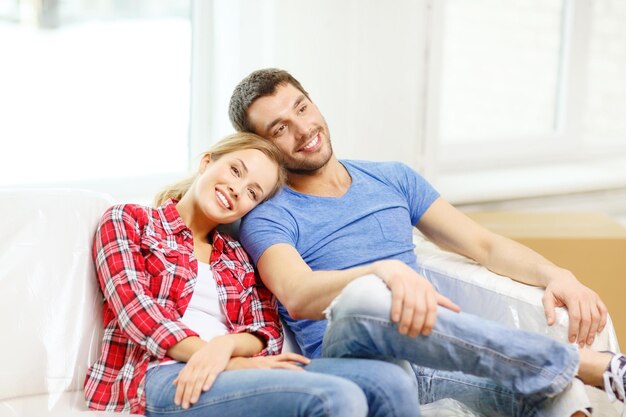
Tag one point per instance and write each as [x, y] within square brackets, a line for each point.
[295, 125]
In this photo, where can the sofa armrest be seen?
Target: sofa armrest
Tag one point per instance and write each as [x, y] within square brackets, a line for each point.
[486, 294]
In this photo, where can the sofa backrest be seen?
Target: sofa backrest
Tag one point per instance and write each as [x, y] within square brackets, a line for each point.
[50, 305]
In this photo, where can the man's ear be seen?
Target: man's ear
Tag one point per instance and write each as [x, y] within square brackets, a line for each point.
[206, 159]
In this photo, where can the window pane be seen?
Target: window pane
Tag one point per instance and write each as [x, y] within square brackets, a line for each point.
[500, 68]
[606, 103]
[94, 90]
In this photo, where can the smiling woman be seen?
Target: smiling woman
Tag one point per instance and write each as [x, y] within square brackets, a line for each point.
[94, 91]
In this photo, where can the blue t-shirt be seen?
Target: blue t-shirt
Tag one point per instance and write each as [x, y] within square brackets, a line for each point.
[372, 221]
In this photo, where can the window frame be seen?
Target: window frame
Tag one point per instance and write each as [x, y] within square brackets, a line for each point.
[566, 145]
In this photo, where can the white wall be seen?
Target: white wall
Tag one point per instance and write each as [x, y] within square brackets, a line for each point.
[360, 60]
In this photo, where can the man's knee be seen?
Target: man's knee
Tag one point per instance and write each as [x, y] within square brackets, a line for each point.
[366, 296]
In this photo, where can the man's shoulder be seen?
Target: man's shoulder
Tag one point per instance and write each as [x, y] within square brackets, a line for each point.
[379, 169]
[275, 211]
[279, 203]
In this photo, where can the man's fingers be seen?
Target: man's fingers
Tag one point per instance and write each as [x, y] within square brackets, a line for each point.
[574, 322]
[603, 315]
[584, 325]
[397, 297]
[549, 308]
[595, 324]
[444, 301]
[431, 315]
[412, 312]
[418, 318]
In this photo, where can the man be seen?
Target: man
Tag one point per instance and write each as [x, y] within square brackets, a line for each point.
[344, 227]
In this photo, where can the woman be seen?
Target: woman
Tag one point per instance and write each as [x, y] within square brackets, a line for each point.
[183, 306]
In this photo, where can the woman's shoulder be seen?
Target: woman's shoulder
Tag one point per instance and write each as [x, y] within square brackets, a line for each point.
[231, 247]
[128, 213]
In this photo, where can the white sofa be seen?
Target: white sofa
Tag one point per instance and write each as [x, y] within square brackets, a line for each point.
[50, 305]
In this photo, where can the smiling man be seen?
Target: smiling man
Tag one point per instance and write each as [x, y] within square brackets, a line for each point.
[336, 243]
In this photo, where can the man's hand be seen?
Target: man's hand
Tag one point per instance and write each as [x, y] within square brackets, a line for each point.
[282, 361]
[414, 300]
[587, 312]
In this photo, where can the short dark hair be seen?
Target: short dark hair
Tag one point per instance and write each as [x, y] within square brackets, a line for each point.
[259, 83]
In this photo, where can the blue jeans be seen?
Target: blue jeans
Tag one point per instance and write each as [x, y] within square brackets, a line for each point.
[493, 369]
[327, 388]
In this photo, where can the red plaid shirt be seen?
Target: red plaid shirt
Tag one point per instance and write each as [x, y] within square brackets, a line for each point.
[147, 271]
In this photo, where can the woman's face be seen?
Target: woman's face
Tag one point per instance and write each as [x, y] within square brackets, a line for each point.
[231, 186]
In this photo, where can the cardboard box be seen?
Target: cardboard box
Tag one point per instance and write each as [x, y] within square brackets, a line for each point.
[591, 245]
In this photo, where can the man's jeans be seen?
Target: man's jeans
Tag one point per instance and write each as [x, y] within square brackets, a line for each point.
[330, 387]
[499, 370]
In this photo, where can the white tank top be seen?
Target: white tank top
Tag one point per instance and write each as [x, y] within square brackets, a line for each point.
[204, 313]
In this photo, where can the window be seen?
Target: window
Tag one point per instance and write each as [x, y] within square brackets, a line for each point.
[94, 90]
[605, 107]
[525, 82]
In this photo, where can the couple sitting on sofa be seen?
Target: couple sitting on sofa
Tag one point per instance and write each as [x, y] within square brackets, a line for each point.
[190, 330]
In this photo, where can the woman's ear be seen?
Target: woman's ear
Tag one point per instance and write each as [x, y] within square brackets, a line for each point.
[206, 159]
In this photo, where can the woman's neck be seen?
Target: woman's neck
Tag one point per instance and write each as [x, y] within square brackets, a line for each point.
[200, 227]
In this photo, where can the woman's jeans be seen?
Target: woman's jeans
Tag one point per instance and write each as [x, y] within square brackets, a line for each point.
[327, 388]
[499, 370]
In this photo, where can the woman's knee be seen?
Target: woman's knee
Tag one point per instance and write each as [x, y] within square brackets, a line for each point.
[365, 296]
[395, 391]
[339, 397]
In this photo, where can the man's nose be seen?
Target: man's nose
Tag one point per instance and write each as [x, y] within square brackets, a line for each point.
[302, 129]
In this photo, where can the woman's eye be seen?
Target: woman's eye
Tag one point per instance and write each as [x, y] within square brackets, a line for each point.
[234, 170]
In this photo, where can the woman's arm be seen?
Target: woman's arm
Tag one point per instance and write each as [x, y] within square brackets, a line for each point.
[206, 360]
[125, 284]
[258, 313]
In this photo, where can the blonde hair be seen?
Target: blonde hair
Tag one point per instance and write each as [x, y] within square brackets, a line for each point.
[236, 142]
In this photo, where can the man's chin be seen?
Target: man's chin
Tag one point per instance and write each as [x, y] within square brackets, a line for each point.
[306, 167]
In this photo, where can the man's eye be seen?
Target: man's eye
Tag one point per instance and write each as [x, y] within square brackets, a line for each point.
[234, 170]
[280, 130]
[303, 108]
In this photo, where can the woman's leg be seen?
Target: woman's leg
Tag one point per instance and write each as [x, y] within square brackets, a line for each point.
[389, 389]
[258, 392]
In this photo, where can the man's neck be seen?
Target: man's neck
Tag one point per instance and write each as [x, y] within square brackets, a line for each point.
[332, 180]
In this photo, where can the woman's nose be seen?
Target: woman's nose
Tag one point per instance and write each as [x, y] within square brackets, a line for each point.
[233, 191]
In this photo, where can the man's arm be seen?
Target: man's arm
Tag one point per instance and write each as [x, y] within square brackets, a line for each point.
[306, 293]
[452, 230]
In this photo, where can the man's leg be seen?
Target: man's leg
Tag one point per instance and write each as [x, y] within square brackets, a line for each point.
[389, 389]
[518, 361]
[491, 399]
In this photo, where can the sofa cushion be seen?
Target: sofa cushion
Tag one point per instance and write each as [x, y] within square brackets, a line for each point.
[50, 305]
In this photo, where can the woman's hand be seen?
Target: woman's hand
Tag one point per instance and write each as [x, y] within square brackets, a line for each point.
[202, 369]
[282, 361]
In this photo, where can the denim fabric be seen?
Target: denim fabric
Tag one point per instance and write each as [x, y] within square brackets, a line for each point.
[323, 389]
[494, 369]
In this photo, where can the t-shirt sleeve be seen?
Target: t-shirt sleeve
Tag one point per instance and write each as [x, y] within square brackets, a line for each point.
[265, 226]
[419, 193]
